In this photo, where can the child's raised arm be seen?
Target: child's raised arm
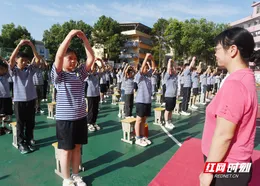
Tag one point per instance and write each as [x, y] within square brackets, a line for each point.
[62, 50]
[15, 52]
[148, 55]
[35, 53]
[88, 49]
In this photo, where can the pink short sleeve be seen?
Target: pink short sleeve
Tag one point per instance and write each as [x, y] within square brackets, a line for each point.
[232, 104]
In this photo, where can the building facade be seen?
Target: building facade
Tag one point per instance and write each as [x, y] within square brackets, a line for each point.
[138, 42]
[42, 51]
[251, 23]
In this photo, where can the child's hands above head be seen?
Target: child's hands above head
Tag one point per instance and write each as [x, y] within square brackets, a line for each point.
[24, 42]
[148, 55]
[73, 33]
[81, 35]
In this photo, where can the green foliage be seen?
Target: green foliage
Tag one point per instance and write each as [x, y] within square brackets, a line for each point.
[107, 33]
[11, 36]
[159, 42]
[57, 33]
[193, 37]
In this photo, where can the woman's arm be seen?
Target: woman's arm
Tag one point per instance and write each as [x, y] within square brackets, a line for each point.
[221, 140]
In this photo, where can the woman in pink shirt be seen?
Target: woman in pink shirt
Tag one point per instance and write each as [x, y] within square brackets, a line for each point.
[230, 122]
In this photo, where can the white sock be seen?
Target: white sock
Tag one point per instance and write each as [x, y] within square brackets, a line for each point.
[67, 180]
[72, 175]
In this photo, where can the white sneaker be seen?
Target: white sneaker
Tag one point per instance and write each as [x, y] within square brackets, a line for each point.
[147, 140]
[163, 104]
[91, 128]
[207, 100]
[141, 142]
[185, 113]
[195, 107]
[169, 126]
[96, 126]
[68, 183]
[78, 181]
[203, 103]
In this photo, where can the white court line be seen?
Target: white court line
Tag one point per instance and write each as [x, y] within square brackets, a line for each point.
[170, 136]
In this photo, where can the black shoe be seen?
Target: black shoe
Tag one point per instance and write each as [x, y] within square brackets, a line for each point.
[23, 148]
[31, 145]
[32, 141]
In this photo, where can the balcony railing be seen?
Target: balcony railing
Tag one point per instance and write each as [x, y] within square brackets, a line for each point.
[132, 44]
[128, 56]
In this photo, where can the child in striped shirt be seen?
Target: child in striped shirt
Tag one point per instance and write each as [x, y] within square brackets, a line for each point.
[71, 121]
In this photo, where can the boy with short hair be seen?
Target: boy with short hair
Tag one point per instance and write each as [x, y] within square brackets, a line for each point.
[24, 95]
[71, 121]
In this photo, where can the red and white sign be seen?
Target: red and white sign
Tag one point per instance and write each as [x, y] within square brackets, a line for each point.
[223, 168]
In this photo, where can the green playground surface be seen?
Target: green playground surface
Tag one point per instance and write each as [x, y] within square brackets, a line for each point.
[107, 160]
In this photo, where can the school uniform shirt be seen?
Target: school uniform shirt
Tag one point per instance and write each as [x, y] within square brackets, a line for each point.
[118, 76]
[129, 85]
[182, 79]
[154, 79]
[122, 83]
[209, 77]
[93, 85]
[162, 78]
[195, 80]
[103, 78]
[24, 89]
[203, 79]
[38, 77]
[71, 104]
[171, 82]
[217, 79]
[107, 76]
[144, 84]
[187, 78]
[213, 80]
[10, 79]
[4, 86]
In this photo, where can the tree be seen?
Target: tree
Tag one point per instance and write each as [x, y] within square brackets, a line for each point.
[193, 37]
[174, 34]
[11, 36]
[53, 37]
[107, 33]
[159, 41]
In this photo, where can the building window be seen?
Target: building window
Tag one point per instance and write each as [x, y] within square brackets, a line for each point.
[249, 24]
[258, 9]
